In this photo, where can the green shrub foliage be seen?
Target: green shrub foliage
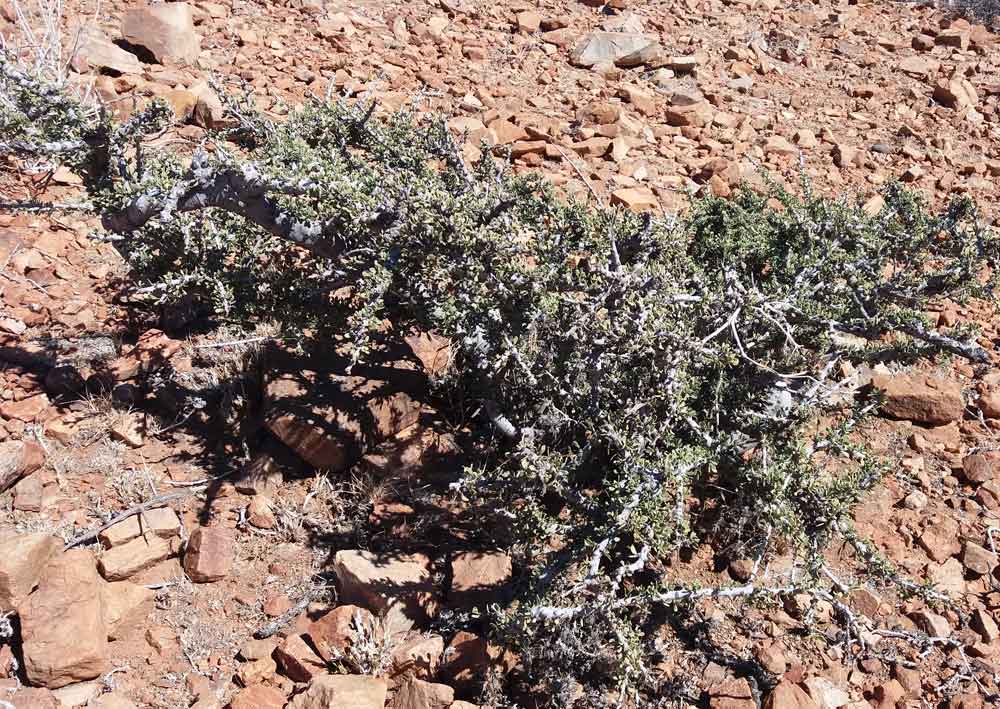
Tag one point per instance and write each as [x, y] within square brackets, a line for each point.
[638, 380]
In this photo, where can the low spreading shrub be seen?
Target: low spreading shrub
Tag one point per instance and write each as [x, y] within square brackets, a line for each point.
[639, 381]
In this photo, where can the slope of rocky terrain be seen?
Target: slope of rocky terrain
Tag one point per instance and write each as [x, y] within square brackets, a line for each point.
[165, 537]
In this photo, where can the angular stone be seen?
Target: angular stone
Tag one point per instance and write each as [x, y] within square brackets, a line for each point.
[984, 624]
[33, 698]
[504, 132]
[355, 691]
[731, 694]
[126, 607]
[256, 671]
[935, 625]
[258, 696]
[166, 30]
[417, 655]
[608, 47]
[398, 586]
[64, 636]
[334, 633]
[112, 701]
[331, 424]
[78, 694]
[920, 398]
[980, 468]
[592, 147]
[260, 476]
[787, 695]
[297, 660]
[978, 560]
[466, 660]
[825, 693]
[23, 558]
[989, 404]
[19, 459]
[99, 52]
[125, 561]
[636, 199]
[161, 522]
[956, 93]
[478, 578]
[696, 114]
[417, 694]
[27, 410]
[209, 554]
[599, 113]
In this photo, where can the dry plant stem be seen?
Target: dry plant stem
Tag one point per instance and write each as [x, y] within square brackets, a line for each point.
[153, 503]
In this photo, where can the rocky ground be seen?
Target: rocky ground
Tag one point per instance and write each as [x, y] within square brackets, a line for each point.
[165, 540]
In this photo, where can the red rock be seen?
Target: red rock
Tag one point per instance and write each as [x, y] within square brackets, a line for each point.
[334, 633]
[789, 696]
[276, 605]
[731, 694]
[478, 578]
[97, 51]
[161, 522]
[33, 698]
[920, 398]
[636, 199]
[931, 623]
[466, 659]
[23, 557]
[528, 22]
[505, 132]
[417, 655]
[28, 410]
[980, 468]
[599, 112]
[256, 671]
[298, 660]
[125, 561]
[956, 93]
[984, 624]
[989, 404]
[166, 30]
[17, 460]
[355, 691]
[887, 695]
[330, 425]
[209, 554]
[417, 694]
[62, 623]
[398, 586]
[126, 607]
[978, 560]
[151, 352]
[258, 696]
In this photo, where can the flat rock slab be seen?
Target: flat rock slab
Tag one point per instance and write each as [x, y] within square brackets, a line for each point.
[22, 560]
[331, 419]
[608, 47]
[398, 586]
[62, 623]
[355, 691]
